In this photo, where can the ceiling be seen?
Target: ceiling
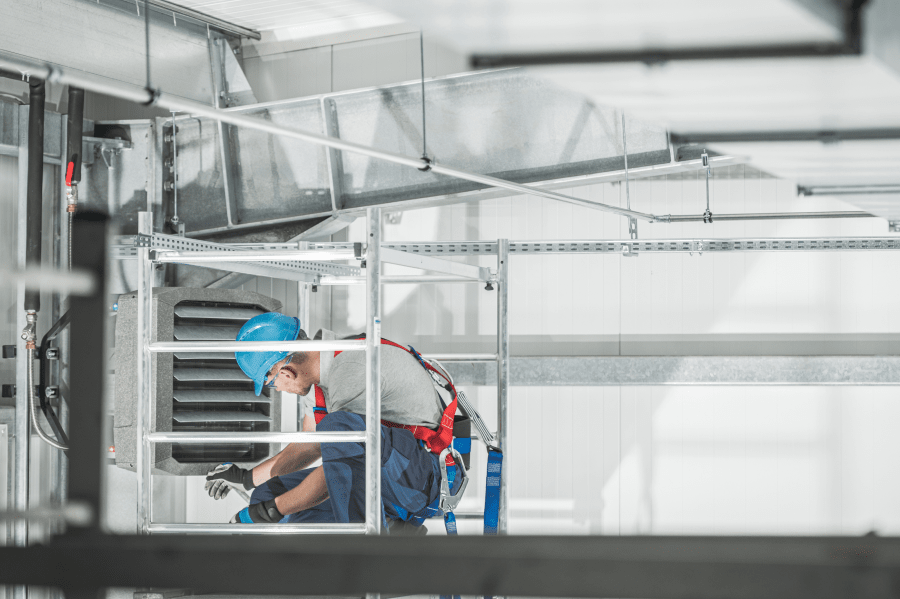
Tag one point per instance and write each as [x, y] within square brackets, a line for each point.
[686, 96]
[267, 15]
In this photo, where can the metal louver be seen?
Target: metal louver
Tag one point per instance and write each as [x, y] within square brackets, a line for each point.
[194, 391]
[199, 382]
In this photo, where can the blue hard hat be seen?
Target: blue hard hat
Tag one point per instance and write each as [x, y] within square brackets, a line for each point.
[270, 326]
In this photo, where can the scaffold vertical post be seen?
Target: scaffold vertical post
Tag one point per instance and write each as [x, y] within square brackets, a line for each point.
[303, 313]
[503, 374]
[22, 426]
[144, 375]
[373, 371]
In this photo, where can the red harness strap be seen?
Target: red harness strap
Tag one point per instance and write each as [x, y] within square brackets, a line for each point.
[436, 440]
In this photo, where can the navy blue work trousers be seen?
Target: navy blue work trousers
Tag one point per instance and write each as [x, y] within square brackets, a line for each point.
[410, 476]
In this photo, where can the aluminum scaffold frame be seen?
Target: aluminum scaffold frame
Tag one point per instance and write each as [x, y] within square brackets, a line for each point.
[148, 255]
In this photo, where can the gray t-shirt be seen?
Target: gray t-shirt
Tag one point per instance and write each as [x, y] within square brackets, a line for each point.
[408, 395]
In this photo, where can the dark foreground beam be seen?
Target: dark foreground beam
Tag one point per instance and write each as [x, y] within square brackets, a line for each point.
[660, 567]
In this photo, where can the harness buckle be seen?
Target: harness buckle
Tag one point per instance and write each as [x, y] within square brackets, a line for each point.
[449, 502]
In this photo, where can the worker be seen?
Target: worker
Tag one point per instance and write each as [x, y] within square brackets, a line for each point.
[410, 473]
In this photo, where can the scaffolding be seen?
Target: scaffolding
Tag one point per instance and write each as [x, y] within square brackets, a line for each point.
[306, 263]
[529, 563]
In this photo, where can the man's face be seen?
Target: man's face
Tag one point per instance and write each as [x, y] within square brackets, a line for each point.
[292, 375]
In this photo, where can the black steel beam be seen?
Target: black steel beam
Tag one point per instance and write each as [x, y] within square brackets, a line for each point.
[540, 566]
[87, 362]
[653, 56]
[850, 45]
[823, 136]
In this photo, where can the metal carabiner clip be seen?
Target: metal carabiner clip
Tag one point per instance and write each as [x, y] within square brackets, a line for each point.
[449, 502]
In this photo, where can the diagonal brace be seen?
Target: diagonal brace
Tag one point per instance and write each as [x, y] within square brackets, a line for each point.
[449, 267]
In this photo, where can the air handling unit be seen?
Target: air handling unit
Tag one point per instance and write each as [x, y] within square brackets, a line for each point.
[193, 391]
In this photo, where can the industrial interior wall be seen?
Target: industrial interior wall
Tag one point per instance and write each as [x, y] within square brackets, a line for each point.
[9, 204]
[610, 460]
[667, 460]
[675, 460]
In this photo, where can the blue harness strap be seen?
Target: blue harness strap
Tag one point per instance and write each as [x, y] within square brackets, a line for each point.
[492, 491]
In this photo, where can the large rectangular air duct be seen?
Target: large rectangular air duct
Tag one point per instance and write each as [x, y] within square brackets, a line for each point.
[193, 391]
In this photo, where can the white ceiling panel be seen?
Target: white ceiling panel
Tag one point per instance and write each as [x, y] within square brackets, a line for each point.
[267, 15]
[583, 25]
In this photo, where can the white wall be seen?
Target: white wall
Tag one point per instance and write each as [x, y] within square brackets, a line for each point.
[668, 460]
[679, 460]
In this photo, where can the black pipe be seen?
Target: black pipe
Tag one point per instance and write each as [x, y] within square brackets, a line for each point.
[35, 186]
[74, 129]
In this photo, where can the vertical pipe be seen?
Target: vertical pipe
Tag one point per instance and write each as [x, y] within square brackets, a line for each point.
[75, 130]
[217, 74]
[143, 374]
[22, 429]
[632, 222]
[111, 180]
[503, 375]
[88, 366]
[58, 462]
[35, 186]
[373, 371]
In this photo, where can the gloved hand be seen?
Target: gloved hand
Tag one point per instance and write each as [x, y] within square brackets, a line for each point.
[217, 479]
[265, 512]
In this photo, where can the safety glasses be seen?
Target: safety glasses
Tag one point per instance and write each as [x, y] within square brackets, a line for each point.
[271, 383]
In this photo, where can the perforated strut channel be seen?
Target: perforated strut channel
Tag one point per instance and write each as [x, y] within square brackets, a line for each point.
[306, 270]
[475, 248]
[805, 244]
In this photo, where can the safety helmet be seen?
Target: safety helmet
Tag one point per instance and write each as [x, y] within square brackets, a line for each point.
[270, 326]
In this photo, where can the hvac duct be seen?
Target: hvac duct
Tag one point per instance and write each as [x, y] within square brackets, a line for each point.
[193, 392]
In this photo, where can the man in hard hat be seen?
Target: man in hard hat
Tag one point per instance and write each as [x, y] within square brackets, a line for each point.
[410, 473]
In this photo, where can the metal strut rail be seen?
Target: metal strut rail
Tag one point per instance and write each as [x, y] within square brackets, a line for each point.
[618, 246]
[296, 261]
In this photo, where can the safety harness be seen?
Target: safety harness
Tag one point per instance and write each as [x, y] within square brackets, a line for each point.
[441, 442]
[435, 440]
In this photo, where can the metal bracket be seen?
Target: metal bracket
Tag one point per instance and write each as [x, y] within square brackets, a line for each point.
[52, 353]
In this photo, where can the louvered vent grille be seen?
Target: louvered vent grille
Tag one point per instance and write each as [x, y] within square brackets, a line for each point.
[209, 390]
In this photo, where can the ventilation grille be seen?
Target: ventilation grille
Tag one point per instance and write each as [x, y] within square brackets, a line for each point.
[209, 390]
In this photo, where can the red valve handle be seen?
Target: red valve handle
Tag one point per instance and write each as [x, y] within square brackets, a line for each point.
[69, 170]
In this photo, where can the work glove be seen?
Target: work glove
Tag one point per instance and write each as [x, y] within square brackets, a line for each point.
[218, 479]
[265, 512]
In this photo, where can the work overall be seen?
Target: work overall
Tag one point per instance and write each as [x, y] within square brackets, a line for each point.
[410, 476]
[410, 470]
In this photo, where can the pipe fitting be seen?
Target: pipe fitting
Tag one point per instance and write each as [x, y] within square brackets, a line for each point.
[29, 332]
[71, 197]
